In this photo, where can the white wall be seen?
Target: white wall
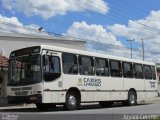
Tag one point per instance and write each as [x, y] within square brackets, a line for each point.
[9, 43]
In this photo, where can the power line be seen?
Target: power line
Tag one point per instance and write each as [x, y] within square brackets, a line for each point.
[122, 53]
[148, 27]
[139, 23]
[92, 40]
[71, 37]
[68, 36]
[62, 42]
[78, 5]
[129, 6]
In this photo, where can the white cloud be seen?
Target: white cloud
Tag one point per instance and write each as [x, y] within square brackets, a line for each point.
[99, 39]
[12, 24]
[51, 8]
[134, 30]
[92, 32]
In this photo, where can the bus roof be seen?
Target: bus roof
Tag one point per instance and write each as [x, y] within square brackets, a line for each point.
[83, 52]
[101, 55]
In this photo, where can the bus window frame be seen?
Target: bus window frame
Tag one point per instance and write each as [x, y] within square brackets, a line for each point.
[120, 70]
[77, 65]
[144, 65]
[132, 69]
[92, 62]
[135, 71]
[106, 65]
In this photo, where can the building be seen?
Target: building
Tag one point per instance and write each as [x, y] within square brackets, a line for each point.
[13, 41]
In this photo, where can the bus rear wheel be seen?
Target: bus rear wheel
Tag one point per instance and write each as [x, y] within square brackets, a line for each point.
[132, 99]
[72, 101]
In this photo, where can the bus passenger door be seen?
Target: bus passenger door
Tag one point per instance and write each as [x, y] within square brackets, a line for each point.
[52, 76]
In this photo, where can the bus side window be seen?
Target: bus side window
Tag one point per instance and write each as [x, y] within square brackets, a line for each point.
[127, 70]
[69, 62]
[153, 72]
[51, 67]
[101, 67]
[115, 68]
[86, 65]
[147, 72]
[138, 71]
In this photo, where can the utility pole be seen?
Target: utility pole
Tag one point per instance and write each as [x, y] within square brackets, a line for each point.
[131, 45]
[143, 48]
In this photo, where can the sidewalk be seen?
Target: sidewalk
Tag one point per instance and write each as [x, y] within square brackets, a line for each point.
[153, 100]
[18, 106]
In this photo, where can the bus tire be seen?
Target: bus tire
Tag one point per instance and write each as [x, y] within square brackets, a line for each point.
[72, 101]
[132, 98]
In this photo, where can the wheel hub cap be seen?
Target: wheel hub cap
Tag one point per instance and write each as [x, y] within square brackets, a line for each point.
[72, 100]
[132, 99]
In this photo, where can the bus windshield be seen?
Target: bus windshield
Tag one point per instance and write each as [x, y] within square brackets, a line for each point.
[25, 70]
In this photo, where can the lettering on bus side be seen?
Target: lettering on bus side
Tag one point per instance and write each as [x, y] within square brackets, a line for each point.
[153, 84]
[89, 82]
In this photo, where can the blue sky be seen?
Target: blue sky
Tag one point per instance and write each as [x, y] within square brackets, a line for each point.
[106, 21]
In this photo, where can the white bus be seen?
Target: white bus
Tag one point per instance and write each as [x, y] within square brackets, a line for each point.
[50, 75]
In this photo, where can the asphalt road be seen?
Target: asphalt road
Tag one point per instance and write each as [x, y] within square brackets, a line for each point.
[87, 112]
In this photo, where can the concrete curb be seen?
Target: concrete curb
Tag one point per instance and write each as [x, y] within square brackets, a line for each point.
[18, 106]
[153, 100]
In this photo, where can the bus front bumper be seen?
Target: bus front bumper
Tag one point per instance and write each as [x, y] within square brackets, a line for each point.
[24, 99]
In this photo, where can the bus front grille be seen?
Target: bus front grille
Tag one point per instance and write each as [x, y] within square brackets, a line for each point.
[21, 93]
[26, 88]
[23, 88]
[15, 89]
[17, 93]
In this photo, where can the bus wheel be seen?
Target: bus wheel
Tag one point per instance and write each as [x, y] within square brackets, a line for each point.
[132, 98]
[71, 101]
